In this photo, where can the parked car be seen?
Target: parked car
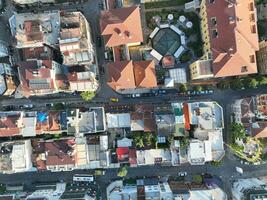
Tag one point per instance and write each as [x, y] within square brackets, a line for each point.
[182, 174]
[136, 95]
[113, 99]
[49, 105]
[28, 106]
[210, 91]
[162, 91]
[99, 41]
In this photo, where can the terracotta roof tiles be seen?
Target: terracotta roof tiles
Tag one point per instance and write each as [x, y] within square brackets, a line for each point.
[132, 74]
[233, 50]
[121, 26]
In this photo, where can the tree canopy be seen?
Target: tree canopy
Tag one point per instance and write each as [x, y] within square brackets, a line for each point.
[237, 84]
[87, 95]
[123, 171]
[238, 131]
[198, 88]
[183, 88]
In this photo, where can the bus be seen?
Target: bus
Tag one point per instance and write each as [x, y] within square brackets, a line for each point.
[83, 178]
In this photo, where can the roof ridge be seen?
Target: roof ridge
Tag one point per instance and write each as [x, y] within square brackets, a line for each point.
[245, 39]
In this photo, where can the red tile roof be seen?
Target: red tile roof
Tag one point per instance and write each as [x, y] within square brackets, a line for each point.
[132, 74]
[261, 131]
[122, 153]
[168, 61]
[233, 50]
[59, 152]
[186, 116]
[121, 26]
[8, 126]
[34, 70]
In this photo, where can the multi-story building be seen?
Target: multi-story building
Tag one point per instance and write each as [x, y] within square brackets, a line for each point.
[45, 36]
[153, 189]
[251, 112]
[54, 155]
[92, 152]
[75, 40]
[88, 122]
[36, 30]
[262, 57]
[24, 3]
[249, 189]
[230, 36]
[143, 189]
[40, 77]
[16, 157]
[7, 85]
[131, 75]
[82, 78]
[31, 124]
[206, 121]
[119, 34]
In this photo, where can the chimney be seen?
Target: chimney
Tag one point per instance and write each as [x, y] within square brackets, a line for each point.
[128, 34]
[118, 31]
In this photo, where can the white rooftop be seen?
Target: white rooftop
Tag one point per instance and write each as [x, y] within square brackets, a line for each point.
[151, 156]
[208, 194]
[199, 152]
[29, 126]
[44, 25]
[178, 75]
[121, 120]
[21, 156]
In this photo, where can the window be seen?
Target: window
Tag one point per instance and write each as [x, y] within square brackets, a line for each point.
[213, 21]
[251, 6]
[252, 17]
[211, 1]
[214, 33]
[253, 28]
[244, 69]
[231, 19]
[252, 58]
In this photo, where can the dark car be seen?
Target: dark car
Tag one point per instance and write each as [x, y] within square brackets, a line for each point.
[99, 41]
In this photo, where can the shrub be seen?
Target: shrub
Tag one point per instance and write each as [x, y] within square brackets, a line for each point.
[237, 84]
[223, 84]
[182, 88]
[185, 57]
[198, 88]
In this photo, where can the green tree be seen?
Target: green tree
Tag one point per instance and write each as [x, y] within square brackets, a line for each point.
[238, 131]
[148, 137]
[123, 171]
[262, 80]
[87, 95]
[252, 83]
[224, 84]
[197, 179]
[139, 140]
[198, 88]
[237, 84]
[184, 142]
[59, 106]
[216, 163]
[182, 88]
